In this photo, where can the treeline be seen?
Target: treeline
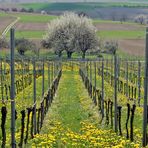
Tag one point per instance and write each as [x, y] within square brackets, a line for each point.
[30, 10]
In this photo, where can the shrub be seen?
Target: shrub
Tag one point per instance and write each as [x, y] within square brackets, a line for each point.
[14, 9]
[3, 43]
[30, 10]
[23, 10]
[22, 45]
[111, 46]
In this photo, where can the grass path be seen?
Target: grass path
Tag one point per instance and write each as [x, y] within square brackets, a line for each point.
[67, 107]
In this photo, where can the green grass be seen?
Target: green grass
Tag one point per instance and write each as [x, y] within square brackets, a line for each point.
[121, 34]
[2, 14]
[70, 111]
[67, 107]
[29, 34]
[115, 34]
[29, 17]
[95, 21]
[7, 16]
[35, 18]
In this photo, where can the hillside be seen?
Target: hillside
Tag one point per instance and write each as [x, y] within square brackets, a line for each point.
[111, 11]
[107, 10]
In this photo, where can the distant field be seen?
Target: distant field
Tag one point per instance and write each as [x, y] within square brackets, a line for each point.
[108, 25]
[34, 17]
[80, 6]
[29, 26]
[121, 34]
[33, 26]
[5, 20]
[98, 10]
[134, 47]
[29, 34]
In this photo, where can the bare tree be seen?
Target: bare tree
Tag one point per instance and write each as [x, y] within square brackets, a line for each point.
[22, 45]
[142, 19]
[123, 18]
[113, 16]
[111, 46]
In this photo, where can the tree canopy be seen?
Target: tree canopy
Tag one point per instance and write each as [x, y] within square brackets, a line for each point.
[22, 45]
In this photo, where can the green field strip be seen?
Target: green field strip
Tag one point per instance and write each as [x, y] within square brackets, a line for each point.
[121, 34]
[30, 17]
[96, 21]
[2, 14]
[24, 17]
[29, 34]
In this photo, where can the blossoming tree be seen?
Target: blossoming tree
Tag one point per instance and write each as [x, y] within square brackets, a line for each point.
[71, 33]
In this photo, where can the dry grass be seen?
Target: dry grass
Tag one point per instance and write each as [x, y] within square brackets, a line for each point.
[31, 26]
[4, 22]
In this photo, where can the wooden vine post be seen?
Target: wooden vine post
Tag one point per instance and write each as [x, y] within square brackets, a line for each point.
[145, 93]
[95, 76]
[34, 94]
[118, 70]
[115, 92]
[127, 78]
[139, 83]
[102, 99]
[111, 81]
[2, 94]
[12, 92]
[95, 83]
[90, 72]
[87, 68]
[43, 78]
[52, 72]
[54, 65]
[49, 75]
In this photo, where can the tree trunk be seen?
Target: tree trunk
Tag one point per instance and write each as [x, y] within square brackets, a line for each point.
[83, 55]
[60, 54]
[69, 54]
